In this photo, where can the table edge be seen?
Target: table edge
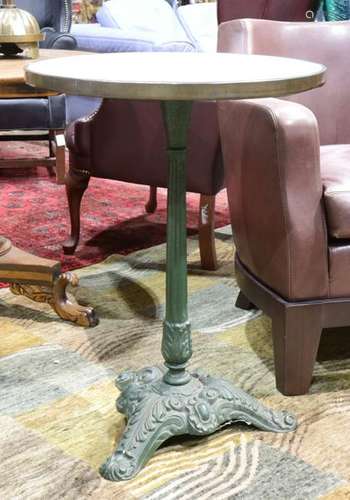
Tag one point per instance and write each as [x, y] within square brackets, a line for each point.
[177, 91]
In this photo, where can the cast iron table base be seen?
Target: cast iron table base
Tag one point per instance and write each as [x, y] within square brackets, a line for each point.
[161, 403]
[157, 411]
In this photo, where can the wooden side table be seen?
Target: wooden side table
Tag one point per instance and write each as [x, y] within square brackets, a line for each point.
[38, 279]
[161, 402]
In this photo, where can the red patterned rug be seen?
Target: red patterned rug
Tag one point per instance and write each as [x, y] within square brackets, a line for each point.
[34, 215]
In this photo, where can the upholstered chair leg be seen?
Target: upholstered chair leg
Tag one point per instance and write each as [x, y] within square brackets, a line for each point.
[206, 232]
[151, 205]
[76, 184]
[296, 332]
[242, 302]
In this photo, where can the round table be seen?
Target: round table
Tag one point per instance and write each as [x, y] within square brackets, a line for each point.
[39, 279]
[168, 401]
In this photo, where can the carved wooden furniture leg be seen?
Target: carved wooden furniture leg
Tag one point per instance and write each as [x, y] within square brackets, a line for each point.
[206, 232]
[151, 205]
[41, 280]
[160, 403]
[76, 183]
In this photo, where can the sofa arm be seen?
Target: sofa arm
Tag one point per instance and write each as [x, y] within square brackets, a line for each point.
[271, 154]
[57, 40]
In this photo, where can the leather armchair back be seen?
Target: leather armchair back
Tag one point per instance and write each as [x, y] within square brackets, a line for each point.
[326, 43]
[56, 14]
[277, 10]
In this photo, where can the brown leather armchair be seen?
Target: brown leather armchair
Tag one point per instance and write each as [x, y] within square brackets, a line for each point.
[287, 170]
[277, 10]
[126, 141]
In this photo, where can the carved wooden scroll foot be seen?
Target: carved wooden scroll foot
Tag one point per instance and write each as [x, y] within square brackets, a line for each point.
[57, 297]
[41, 280]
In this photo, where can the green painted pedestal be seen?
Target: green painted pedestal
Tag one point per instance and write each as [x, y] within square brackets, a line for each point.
[169, 401]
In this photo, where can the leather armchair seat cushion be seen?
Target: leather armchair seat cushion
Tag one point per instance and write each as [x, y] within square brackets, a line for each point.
[335, 173]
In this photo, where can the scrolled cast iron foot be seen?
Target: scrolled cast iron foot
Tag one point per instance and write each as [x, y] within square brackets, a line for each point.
[57, 298]
[157, 411]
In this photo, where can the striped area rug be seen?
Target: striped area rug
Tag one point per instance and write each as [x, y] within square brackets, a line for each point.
[57, 396]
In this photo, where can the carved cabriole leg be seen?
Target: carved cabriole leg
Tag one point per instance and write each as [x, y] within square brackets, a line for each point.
[206, 234]
[56, 297]
[296, 335]
[41, 280]
[151, 205]
[77, 182]
[163, 402]
[65, 308]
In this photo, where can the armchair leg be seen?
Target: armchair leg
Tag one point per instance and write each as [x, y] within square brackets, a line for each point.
[77, 182]
[206, 232]
[151, 205]
[296, 335]
[242, 302]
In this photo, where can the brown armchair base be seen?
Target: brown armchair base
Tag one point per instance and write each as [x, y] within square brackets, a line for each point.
[296, 328]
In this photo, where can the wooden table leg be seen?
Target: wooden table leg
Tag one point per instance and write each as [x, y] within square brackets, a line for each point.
[41, 280]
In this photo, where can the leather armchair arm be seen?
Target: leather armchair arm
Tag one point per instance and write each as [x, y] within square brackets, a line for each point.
[57, 40]
[271, 153]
